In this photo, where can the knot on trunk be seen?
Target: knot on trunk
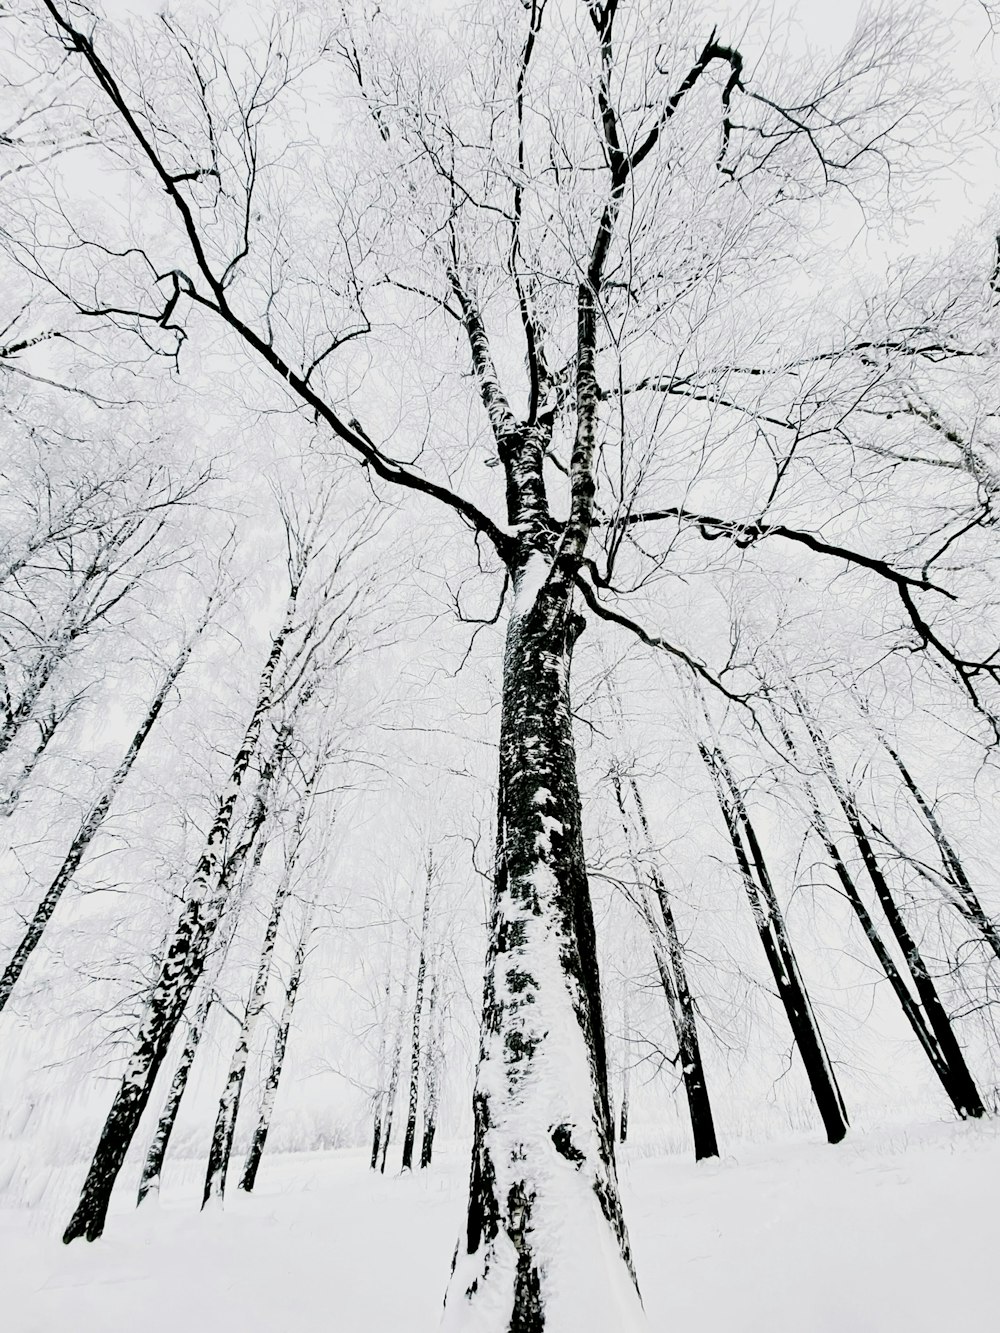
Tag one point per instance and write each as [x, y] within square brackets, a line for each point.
[564, 1145]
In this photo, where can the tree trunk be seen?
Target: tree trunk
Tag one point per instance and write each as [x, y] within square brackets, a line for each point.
[153, 1167]
[390, 1095]
[257, 1144]
[777, 947]
[155, 1157]
[47, 727]
[623, 1109]
[89, 828]
[546, 1245]
[674, 978]
[410, 1134]
[911, 1007]
[181, 968]
[229, 1104]
[377, 1132]
[432, 1068]
[965, 897]
[397, 1060]
[961, 1086]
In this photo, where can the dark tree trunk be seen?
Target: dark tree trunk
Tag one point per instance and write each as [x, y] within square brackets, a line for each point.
[179, 973]
[410, 1134]
[910, 1006]
[781, 958]
[257, 1144]
[155, 1157]
[960, 1086]
[88, 830]
[376, 1133]
[542, 1046]
[674, 978]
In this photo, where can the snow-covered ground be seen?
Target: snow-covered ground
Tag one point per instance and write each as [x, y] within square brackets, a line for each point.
[893, 1230]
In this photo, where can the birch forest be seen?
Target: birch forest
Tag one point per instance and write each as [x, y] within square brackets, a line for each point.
[499, 666]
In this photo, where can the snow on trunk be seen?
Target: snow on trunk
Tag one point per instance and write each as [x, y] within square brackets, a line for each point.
[546, 1245]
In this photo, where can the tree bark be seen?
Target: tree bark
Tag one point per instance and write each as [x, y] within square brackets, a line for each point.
[89, 828]
[259, 1140]
[181, 968]
[542, 1040]
[410, 1133]
[781, 958]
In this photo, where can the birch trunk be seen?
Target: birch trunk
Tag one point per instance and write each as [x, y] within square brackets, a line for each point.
[410, 1133]
[229, 1104]
[181, 968]
[259, 1140]
[432, 1069]
[149, 1183]
[89, 828]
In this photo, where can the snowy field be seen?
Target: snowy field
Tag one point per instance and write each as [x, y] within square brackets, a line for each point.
[893, 1230]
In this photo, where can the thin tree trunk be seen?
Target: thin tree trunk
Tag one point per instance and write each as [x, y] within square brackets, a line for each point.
[182, 966]
[257, 1144]
[397, 1061]
[410, 1133]
[542, 1036]
[910, 1006]
[390, 1096]
[432, 1068]
[781, 958]
[378, 1097]
[47, 727]
[229, 1104]
[673, 975]
[149, 1182]
[966, 898]
[623, 1109]
[89, 828]
[377, 1132]
[961, 1085]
